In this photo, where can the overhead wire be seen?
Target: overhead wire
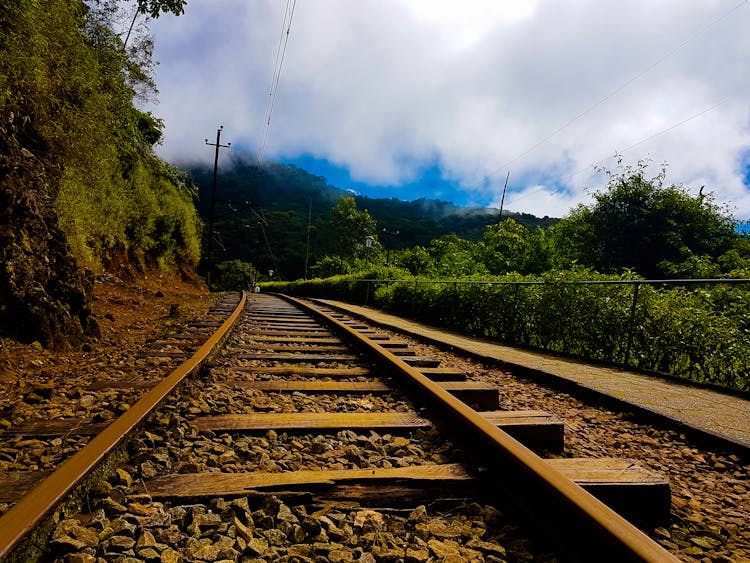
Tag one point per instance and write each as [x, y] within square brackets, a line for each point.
[286, 24]
[666, 130]
[275, 75]
[640, 142]
[619, 88]
[266, 116]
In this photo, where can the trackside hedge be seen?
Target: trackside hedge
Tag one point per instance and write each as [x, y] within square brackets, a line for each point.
[697, 332]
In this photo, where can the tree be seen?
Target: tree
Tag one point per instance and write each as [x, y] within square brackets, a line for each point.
[539, 251]
[69, 90]
[155, 7]
[354, 228]
[456, 257]
[417, 260]
[236, 275]
[505, 247]
[510, 247]
[330, 266]
[638, 223]
[151, 8]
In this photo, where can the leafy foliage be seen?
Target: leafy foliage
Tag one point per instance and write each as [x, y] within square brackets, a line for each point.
[639, 223]
[330, 266]
[506, 287]
[354, 229]
[697, 333]
[155, 7]
[65, 76]
[236, 275]
[511, 247]
[455, 257]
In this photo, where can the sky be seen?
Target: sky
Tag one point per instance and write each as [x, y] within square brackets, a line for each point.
[442, 99]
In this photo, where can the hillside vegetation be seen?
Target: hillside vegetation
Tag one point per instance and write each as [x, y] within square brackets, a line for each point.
[80, 184]
[263, 212]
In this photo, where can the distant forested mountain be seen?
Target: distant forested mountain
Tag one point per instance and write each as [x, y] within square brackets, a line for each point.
[262, 214]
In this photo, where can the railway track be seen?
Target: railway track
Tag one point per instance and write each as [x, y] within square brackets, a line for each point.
[309, 432]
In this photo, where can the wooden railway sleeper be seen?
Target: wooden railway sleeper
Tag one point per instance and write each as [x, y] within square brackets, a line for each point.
[541, 490]
[25, 527]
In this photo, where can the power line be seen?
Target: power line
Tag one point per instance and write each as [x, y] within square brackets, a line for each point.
[276, 66]
[665, 130]
[266, 116]
[286, 23]
[620, 88]
[638, 143]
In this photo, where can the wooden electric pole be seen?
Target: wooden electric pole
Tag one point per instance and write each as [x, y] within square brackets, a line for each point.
[309, 228]
[502, 200]
[209, 249]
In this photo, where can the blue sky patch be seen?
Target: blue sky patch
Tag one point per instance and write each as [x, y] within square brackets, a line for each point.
[431, 184]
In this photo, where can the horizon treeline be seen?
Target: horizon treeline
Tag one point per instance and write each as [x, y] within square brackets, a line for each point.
[263, 215]
[640, 224]
[576, 287]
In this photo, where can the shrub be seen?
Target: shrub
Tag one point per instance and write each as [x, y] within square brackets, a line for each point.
[700, 332]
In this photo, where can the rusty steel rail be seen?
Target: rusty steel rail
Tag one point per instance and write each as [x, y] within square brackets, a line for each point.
[40, 503]
[559, 507]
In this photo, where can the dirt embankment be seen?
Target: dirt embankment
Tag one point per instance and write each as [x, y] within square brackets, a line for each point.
[129, 315]
[44, 294]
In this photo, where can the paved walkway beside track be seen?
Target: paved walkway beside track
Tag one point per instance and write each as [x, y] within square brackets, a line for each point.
[705, 410]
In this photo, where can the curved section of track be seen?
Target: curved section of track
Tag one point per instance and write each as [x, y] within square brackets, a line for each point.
[30, 513]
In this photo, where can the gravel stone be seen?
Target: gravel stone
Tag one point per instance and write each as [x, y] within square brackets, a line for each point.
[710, 487]
[416, 555]
[80, 558]
[170, 556]
[148, 554]
[121, 543]
[71, 534]
[257, 546]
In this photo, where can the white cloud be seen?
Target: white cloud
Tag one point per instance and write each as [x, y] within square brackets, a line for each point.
[545, 200]
[384, 87]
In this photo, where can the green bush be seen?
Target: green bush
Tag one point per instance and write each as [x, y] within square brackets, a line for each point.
[235, 275]
[701, 333]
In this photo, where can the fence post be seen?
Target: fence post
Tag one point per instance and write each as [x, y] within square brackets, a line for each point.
[629, 344]
[414, 300]
[514, 312]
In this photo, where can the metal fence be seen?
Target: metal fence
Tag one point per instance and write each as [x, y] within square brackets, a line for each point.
[625, 347]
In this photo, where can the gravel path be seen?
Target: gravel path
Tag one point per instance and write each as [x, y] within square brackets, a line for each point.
[39, 385]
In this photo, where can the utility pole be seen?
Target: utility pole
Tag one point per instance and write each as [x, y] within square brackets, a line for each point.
[209, 262]
[389, 234]
[309, 228]
[502, 200]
